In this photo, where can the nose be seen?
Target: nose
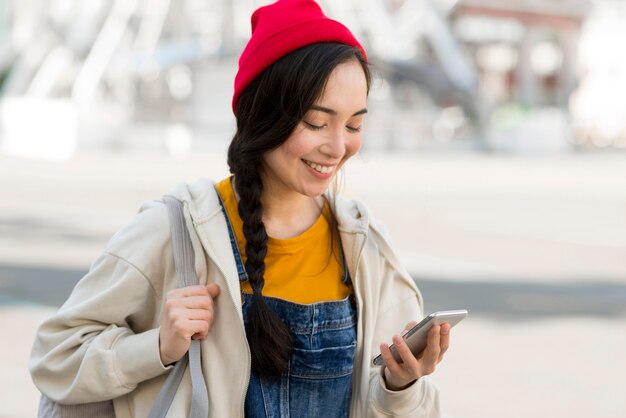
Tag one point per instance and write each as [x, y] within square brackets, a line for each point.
[334, 145]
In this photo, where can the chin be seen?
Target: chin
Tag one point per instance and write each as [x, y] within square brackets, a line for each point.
[315, 191]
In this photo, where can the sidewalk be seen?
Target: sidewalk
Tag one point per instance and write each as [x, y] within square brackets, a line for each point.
[517, 239]
[17, 327]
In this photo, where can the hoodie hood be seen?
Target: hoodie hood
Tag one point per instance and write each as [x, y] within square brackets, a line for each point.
[202, 203]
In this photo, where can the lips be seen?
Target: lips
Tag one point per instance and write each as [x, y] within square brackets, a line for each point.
[324, 169]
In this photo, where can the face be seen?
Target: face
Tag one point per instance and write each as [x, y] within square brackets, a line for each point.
[328, 135]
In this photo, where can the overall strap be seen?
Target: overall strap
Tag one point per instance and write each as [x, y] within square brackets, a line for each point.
[184, 261]
[241, 270]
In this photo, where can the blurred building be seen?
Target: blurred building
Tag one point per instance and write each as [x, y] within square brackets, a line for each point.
[598, 105]
[483, 74]
[526, 52]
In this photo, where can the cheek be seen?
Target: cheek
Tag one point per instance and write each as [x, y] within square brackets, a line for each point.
[352, 147]
[296, 146]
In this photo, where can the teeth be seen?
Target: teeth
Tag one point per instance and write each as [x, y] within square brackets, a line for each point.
[319, 168]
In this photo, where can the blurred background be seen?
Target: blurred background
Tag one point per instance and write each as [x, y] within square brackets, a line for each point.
[494, 152]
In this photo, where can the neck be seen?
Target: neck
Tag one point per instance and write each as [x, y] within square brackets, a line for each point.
[289, 208]
[288, 214]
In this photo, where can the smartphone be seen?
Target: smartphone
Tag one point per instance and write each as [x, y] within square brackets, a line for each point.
[416, 337]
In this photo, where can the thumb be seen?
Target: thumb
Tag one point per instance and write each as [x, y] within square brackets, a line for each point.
[214, 290]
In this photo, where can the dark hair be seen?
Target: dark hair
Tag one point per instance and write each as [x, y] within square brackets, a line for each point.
[267, 112]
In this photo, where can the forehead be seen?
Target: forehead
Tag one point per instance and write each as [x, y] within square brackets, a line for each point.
[346, 89]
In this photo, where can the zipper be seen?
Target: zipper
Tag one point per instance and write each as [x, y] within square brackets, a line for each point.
[213, 258]
[249, 363]
[359, 336]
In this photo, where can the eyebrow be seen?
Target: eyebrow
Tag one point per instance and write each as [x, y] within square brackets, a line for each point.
[334, 112]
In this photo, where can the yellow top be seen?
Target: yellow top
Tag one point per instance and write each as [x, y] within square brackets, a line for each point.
[301, 269]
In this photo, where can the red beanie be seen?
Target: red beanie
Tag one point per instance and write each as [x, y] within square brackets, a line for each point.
[281, 28]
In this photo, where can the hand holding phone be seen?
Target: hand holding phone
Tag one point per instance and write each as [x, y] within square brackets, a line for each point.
[416, 338]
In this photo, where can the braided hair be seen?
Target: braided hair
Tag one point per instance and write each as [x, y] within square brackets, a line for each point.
[267, 112]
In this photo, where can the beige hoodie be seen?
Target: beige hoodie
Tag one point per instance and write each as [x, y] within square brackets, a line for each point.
[103, 342]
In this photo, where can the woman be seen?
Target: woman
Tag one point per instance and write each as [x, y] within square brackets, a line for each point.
[310, 287]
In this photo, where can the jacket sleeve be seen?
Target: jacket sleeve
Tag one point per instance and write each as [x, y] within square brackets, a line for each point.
[400, 302]
[103, 341]
[420, 400]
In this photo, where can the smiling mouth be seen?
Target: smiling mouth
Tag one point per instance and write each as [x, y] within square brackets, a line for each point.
[320, 168]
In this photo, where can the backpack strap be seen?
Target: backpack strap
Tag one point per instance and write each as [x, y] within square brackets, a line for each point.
[184, 261]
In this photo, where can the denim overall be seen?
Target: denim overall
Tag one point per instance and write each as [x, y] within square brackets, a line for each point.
[318, 382]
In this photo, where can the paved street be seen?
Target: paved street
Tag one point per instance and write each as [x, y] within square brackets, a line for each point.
[532, 246]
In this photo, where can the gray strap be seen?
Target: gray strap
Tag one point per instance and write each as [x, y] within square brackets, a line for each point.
[199, 396]
[166, 395]
[184, 261]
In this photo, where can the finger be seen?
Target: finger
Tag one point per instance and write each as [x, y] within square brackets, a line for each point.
[431, 353]
[199, 328]
[196, 290]
[177, 306]
[389, 361]
[444, 341]
[189, 302]
[204, 334]
[198, 314]
[408, 327]
[214, 290]
[409, 361]
[182, 321]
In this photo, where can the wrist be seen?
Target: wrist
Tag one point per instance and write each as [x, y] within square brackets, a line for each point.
[395, 386]
[165, 360]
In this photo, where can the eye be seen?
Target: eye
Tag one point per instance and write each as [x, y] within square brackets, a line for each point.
[353, 129]
[313, 127]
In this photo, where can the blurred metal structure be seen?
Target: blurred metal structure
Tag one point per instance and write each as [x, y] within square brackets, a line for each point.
[162, 70]
[431, 85]
[105, 40]
[109, 63]
[119, 63]
[402, 33]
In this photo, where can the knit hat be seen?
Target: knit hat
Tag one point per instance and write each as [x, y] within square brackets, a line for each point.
[281, 28]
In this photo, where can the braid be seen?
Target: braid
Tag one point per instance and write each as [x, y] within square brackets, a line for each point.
[269, 338]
